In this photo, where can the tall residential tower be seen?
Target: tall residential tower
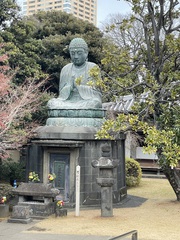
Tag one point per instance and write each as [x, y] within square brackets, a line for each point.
[83, 9]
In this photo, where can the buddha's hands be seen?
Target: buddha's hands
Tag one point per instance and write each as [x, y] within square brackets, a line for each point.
[74, 84]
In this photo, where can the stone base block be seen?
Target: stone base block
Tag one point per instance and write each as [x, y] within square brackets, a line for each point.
[4, 211]
[38, 209]
[21, 212]
[76, 122]
[18, 220]
[77, 113]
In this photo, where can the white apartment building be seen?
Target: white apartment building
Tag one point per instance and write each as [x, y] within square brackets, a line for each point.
[82, 9]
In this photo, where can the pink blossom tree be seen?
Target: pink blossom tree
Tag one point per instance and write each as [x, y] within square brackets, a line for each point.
[17, 104]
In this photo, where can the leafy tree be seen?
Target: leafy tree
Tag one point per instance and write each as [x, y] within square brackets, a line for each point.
[23, 50]
[152, 70]
[131, 37]
[8, 11]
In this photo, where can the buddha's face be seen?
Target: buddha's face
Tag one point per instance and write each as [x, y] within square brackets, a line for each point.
[78, 56]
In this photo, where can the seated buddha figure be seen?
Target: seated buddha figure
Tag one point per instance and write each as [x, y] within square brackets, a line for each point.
[74, 90]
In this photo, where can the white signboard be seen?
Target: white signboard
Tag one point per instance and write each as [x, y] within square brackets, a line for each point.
[78, 168]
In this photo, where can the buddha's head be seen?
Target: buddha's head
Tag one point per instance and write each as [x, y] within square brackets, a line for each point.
[78, 50]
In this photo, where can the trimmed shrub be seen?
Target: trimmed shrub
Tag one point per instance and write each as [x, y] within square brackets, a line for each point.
[133, 172]
[10, 170]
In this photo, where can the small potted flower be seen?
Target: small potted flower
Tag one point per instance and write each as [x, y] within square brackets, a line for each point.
[3, 200]
[60, 211]
[33, 177]
[51, 177]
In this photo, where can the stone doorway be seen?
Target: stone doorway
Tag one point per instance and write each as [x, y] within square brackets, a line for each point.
[60, 164]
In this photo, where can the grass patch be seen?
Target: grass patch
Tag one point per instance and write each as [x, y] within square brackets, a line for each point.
[153, 189]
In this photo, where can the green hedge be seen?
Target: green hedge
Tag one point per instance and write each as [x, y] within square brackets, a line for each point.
[133, 172]
[10, 171]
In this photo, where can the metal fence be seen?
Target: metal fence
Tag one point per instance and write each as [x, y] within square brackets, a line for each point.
[132, 233]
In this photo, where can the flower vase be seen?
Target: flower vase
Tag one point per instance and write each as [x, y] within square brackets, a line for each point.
[60, 212]
[51, 183]
[4, 210]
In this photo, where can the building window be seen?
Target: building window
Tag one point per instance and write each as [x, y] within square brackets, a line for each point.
[67, 10]
[67, 5]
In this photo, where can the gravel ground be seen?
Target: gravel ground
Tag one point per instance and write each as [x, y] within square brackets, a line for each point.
[151, 209]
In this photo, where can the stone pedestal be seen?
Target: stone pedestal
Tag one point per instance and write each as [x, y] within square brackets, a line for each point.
[20, 214]
[4, 210]
[82, 147]
[106, 202]
[105, 180]
[76, 117]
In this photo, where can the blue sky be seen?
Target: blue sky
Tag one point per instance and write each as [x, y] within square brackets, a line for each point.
[106, 7]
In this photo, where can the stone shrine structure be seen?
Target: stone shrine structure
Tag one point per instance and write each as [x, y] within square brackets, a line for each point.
[39, 198]
[68, 139]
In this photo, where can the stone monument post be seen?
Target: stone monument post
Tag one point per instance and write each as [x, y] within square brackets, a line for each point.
[105, 180]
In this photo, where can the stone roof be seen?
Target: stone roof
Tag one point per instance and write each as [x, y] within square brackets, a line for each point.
[124, 103]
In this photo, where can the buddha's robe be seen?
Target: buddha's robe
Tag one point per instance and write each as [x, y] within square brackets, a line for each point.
[73, 95]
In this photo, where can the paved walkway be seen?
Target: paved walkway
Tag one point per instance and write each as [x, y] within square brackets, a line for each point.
[17, 231]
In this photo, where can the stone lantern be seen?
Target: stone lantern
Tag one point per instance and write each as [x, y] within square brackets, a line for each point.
[105, 180]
